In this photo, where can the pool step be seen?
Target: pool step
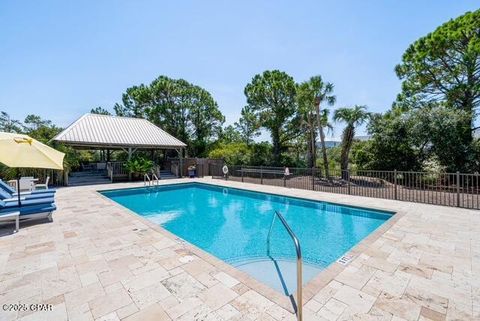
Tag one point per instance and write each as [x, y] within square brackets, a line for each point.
[92, 177]
[166, 174]
[278, 274]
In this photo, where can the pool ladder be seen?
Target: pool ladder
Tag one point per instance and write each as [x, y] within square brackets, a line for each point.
[150, 181]
[298, 250]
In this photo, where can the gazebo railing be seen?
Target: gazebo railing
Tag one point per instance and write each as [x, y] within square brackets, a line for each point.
[116, 169]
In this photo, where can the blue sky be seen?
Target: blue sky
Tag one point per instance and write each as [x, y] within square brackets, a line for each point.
[59, 59]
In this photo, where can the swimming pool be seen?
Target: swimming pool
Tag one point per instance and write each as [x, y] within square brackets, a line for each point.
[232, 224]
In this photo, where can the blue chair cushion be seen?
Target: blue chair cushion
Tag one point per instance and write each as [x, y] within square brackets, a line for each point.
[4, 194]
[14, 203]
[6, 187]
[26, 210]
[39, 192]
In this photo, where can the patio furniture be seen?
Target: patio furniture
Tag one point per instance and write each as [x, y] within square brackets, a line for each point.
[22, 151]
[42, 186]
[30, 209]
[13, 216]
[27, 183]
[6, 191]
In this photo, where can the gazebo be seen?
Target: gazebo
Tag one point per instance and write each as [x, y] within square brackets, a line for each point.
[105, 132]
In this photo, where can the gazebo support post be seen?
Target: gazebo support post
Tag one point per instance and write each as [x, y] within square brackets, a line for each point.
[128, 158]
[180, 161]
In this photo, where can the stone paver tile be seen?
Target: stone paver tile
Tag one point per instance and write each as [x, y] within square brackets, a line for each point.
[114, 275]
[64, 281]
[169, 302]
[399, 307]
[149, 295]
[141, 281]
[240, 288]
[109, 302]
[332, 309]
[152, 313]
[392, 283]
[356, 277]
[164, 243]
[381, 264]
[8, 315]
[109, 317]
[312, 316]
[202, 312]
[198, 266]
[80, 313]
[226, 279]
[83, 295]
[252, 302]
[357, 300]
[207, 279]
[427, 299]
[123, 262]
[228, 312]
[97, 266]
[280, 314]
[327, 292]
[417, 269]
[183, 286]
[217, 296]
[126, 311]
[183, 307]
[113, 287]
[430, 314]
[314, 305]
[88, 278]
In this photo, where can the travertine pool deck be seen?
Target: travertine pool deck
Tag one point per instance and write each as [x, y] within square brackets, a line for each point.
[99, 261]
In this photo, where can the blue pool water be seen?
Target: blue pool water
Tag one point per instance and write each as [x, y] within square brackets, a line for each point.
[233, 224]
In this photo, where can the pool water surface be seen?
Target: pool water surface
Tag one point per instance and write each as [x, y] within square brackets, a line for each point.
[233, 224]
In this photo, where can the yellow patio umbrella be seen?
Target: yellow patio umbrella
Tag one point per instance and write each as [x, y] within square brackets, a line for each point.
[22, 151]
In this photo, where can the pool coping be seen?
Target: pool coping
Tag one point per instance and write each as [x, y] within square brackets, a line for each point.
[311, 288]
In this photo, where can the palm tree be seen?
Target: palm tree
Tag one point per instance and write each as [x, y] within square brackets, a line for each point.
[354, 117]
[306, 120]
[322, 93]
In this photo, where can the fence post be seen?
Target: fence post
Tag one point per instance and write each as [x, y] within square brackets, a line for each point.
[313, 178]
[395, 183]
[241, 170]
[458, 189]
[348, 181]
[261, 175]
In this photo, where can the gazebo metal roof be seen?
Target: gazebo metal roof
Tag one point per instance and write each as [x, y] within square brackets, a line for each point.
[105, 131]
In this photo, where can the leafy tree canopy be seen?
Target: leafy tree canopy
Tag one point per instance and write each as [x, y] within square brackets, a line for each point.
[271, 96]
[100, 110]
[184, 110]
[7, 124]
[444, 66]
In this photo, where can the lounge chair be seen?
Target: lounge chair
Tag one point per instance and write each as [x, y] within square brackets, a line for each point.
[30, 209]
[10, 197]
[11, 217]
[42, 186]
[13, 193]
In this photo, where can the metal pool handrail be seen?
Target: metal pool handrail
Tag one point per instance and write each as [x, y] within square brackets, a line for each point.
[299, 261]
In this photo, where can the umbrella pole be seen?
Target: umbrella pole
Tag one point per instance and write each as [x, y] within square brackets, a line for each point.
[18, 188]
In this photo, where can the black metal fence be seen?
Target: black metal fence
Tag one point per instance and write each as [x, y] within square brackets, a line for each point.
[449, 189]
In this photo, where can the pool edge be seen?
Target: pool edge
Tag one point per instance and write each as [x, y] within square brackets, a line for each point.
[311, 288]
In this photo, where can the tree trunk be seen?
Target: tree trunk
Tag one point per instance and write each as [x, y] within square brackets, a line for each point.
[347, 141]
[311, 148]
[276, 146]
[322, 140]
